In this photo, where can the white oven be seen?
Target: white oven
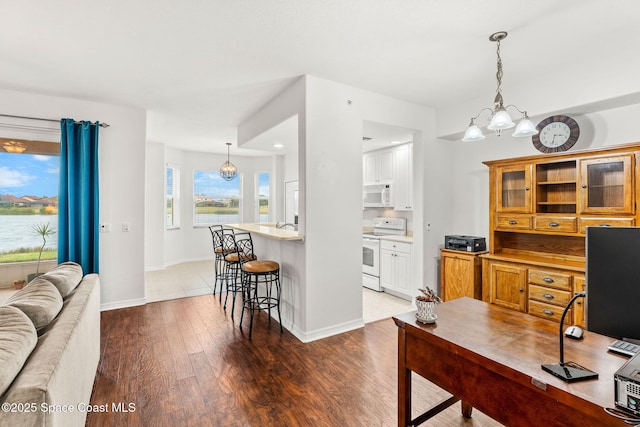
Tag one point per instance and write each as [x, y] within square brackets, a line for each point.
[371, 248]
[371, 262]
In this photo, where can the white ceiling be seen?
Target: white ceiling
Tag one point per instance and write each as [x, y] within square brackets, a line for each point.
[202, 67]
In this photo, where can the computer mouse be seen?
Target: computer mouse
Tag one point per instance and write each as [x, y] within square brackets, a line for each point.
[574, 332]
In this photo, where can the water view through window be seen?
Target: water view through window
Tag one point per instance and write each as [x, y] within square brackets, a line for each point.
[28, 199]
[216, 201]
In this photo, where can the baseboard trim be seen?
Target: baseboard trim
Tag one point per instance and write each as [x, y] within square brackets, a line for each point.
[329, 331]
[123, 304]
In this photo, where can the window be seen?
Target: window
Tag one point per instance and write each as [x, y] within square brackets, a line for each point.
[29, 178]
[262, 199]
[172, 197]
[215, 200]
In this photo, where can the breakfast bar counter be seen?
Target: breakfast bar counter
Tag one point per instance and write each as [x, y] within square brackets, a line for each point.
[268, 230]
[286, 247]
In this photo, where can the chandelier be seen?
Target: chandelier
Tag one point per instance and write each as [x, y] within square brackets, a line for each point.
[500, 119]
[228, 170]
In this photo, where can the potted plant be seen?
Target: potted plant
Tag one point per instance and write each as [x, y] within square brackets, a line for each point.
[43, 230]
[426, 303]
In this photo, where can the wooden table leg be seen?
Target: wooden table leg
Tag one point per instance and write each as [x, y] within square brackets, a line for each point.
[404, 383]
[466, 408]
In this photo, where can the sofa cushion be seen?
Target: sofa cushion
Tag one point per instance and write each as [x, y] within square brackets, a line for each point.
[18, 338]
[39, 300]
[61, 369]
[65, 277]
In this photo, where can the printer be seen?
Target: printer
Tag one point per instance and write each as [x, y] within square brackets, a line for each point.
[627, 386]
[465, 243]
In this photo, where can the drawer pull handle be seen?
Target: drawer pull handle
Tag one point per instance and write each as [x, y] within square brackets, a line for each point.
[548, 296]
[526, 188]
[553, 224]
[548, 280]
[513, 222]
[584, 185]
[548, 312]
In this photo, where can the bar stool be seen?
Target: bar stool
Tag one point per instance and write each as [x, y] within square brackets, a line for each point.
[232, 279]
[263, 275]
[223, 245]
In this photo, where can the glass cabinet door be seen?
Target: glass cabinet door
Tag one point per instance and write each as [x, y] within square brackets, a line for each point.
[606, 185]
[513, 187]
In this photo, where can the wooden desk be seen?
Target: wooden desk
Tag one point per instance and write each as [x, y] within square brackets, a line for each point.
[489, 357]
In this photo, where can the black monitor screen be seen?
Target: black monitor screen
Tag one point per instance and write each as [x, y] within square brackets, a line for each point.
[613, 281]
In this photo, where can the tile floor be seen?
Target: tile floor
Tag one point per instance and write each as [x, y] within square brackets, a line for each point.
[5, 293]
[196, 278]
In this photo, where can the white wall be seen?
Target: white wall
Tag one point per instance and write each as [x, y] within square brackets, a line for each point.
[291, 102]
[155, 207]
[470, 178]
[122, 163]
[330, 170]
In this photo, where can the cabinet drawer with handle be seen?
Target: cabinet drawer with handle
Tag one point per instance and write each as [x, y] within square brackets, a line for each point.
[604, 222]
[514, 222]
[392, 245]
[550, 279]
[554, 223]
[548, 295]
[548, 311]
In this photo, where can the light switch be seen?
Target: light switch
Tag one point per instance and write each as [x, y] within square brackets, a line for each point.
[105, 228]
[126, 227]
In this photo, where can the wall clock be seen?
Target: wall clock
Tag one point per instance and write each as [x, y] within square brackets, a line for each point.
[556, 134]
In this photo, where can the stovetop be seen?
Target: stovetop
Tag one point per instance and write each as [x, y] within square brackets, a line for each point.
[387, 227]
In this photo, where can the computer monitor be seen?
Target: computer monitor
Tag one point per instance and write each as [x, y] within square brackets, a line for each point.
[613, 281]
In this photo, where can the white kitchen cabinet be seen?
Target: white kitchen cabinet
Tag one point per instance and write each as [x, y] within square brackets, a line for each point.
[395, 266]
[403, 180]
[378, 167]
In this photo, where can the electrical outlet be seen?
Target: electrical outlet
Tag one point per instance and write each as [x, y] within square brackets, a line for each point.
[126, 227]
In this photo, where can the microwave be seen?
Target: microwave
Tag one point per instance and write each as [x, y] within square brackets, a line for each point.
[377, 196]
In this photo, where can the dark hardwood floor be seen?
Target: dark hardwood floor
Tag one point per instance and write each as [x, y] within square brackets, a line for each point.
[185, 363]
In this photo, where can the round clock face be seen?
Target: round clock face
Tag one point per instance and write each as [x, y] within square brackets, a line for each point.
[556, 133]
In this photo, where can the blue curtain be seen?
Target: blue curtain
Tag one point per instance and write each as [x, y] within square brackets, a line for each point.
[78, 201]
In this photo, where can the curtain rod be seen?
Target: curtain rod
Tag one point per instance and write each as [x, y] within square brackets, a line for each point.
[102, 125]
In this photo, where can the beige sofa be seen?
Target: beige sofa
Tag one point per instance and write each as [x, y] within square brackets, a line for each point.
[49, 349]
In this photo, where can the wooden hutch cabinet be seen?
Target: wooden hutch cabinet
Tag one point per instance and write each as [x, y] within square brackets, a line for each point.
[460, 274]
[539, 210]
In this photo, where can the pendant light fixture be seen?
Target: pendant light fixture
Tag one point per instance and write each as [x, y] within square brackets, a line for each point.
[228, 170]
[500, 119]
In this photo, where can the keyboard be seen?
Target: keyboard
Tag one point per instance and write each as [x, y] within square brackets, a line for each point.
[624, 348]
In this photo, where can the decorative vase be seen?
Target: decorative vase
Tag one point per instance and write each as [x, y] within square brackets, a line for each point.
[426, 311]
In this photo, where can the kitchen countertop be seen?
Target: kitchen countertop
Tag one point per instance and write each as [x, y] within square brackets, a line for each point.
[407, 238]
[402, 239]
[268, 230]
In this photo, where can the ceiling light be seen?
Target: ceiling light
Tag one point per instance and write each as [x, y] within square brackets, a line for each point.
[228, 171]
[14, 147]
[500, 118]
[278, 146]
[394, 142]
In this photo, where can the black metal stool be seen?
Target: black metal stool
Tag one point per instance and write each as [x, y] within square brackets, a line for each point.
[260, 276]
[232, 278]
[223, 245]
